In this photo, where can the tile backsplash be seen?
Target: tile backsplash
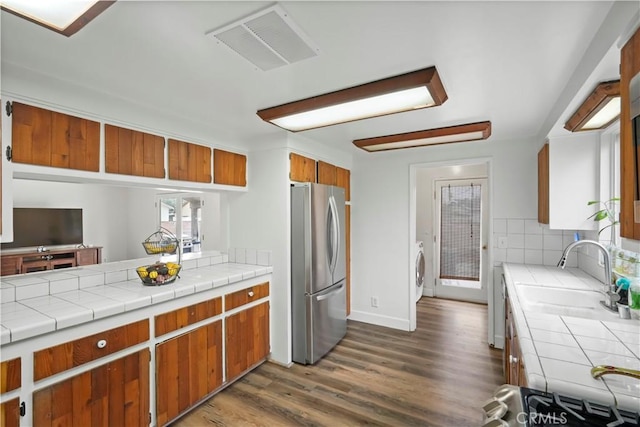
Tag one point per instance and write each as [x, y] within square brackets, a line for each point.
[525, 241]
[250, 256]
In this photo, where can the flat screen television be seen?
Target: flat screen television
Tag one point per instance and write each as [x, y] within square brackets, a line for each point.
[45, 227]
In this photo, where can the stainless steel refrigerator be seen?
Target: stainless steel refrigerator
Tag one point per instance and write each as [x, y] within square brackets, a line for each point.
[318, 270]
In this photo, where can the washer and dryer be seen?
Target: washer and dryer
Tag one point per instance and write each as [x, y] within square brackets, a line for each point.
[419, 269]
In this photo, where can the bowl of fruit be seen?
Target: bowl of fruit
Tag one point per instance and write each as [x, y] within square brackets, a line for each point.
[160, 273]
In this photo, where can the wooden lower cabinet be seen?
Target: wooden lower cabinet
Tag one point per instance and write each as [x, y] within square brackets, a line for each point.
[10, 413]
[247, 339]
[188, 369]
[513, 364]
[10, 379]
[114, 394]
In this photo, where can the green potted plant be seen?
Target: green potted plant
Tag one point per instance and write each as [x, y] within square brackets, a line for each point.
[607, 212]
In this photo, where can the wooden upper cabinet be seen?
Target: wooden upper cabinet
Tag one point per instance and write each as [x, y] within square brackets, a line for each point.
[327, 173]
[189, 162]
[131, 152]
[343, 179]
[629, 178]
[301, 169]
[47, 138]
[543, 185]
[229, 168]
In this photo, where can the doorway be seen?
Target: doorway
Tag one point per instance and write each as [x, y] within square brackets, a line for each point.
[460, 239]
[422, 220]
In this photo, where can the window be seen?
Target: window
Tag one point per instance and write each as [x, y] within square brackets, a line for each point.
[181, 214]
[610, 179]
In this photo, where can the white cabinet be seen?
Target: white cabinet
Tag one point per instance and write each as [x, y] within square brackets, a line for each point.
[574, 162]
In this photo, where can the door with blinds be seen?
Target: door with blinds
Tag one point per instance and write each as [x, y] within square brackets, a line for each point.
[461, 231]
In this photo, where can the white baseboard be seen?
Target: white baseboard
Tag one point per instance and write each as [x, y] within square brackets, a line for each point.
[380, 320]
[277, 362]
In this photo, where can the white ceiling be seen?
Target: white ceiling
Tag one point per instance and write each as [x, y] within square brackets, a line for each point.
[504, 61]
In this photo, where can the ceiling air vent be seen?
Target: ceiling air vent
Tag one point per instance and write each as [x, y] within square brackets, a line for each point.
[268, 39]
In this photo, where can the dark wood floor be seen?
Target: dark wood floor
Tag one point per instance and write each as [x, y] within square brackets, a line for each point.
[438, 375]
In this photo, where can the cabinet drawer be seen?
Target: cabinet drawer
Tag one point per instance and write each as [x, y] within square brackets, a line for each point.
[185, 316]
[246, 296]
[10, 375]
[53, 360]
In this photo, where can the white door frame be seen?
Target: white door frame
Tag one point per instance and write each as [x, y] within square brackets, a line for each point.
[466, 294]
[412, 235]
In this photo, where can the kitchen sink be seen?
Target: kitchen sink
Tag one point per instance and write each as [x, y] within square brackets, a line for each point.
[564, 302]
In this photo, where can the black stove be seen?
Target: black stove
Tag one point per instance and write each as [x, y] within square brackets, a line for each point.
[551, 409]
[514, 406]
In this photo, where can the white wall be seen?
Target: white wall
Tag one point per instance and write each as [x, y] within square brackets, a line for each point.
[381, 225]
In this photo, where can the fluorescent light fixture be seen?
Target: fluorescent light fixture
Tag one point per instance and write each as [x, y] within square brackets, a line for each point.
[62, 16]
[411, 91]
[446, 135]
[599, 110]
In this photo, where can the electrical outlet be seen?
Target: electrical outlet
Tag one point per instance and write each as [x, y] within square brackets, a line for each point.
[374, 301]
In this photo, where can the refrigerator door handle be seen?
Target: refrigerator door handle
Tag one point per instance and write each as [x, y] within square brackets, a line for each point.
[329, 294]
[330, 233]
[333, 231]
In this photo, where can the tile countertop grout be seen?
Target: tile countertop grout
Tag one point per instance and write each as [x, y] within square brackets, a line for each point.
[559, 350]
[37, 303]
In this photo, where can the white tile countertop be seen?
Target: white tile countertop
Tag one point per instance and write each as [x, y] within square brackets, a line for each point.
[37, 303]
[560, 344]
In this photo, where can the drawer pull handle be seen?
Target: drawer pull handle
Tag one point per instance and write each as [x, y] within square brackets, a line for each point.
[512, 359]
[251, 294]
[102, 343]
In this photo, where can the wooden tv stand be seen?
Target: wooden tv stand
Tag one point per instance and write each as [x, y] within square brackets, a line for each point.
[31, 261]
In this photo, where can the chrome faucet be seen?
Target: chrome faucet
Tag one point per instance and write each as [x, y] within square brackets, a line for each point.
[610, 292]
[600, 370]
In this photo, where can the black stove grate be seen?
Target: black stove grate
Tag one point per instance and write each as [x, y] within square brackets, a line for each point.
[550, 409]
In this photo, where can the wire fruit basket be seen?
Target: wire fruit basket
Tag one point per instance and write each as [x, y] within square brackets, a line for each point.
[161, 242]
[160, 273]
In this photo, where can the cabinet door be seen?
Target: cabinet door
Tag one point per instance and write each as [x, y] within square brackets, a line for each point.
[327, 173]
[301, 169]
[188, 368]
[10, 413]
[189, 162]
[10, 265]
[543, 185]
[31, 135]
[47, 138]
[75, 143]
[130, 152]
[114, 394]
[343, 179]
[247, 339]
[87, 256]
[629, 155]
[229, 168]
